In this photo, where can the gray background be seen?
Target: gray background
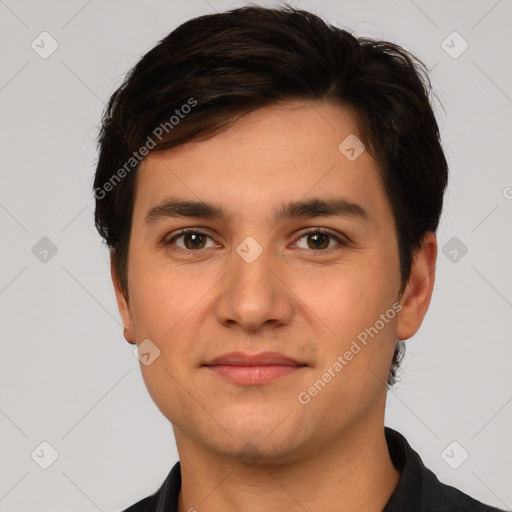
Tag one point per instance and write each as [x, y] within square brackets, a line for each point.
[67, 375]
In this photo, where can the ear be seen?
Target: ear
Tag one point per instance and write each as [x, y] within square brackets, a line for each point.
[123, 302]
[418, 291]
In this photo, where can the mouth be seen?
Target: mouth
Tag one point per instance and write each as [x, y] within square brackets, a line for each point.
[252, 370]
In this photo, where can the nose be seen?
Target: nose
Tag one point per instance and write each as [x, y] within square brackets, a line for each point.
[254, 294]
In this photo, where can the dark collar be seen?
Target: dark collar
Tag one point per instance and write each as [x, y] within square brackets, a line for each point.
[418, 489]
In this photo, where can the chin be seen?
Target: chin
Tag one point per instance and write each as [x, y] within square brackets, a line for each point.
[268, 442]
[259, 450]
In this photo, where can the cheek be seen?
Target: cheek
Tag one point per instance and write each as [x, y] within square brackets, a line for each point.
[349, 296]
[353, 308]
[167, 307]
[163, 295]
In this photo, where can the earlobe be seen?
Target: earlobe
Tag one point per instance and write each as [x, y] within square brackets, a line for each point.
[123, 303]
[418, 292]
[127, 336]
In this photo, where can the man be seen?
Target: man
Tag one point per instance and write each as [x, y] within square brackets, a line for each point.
[270, 187]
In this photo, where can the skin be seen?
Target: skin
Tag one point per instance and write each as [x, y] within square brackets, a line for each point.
[257, 448]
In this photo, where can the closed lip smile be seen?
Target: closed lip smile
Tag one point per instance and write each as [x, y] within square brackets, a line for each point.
[253, 369]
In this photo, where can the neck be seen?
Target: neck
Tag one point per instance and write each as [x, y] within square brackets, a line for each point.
[352, 472]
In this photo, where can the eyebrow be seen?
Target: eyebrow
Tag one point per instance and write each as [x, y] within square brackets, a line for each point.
[309, 208]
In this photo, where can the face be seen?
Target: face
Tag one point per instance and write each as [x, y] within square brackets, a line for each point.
[276, 312]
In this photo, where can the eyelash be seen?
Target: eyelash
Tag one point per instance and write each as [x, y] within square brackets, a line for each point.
[341, 242]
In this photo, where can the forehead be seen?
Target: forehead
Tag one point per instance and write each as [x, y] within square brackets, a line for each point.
[281, 152]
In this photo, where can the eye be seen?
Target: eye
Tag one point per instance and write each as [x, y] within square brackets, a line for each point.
[191, 239]
[319, 240]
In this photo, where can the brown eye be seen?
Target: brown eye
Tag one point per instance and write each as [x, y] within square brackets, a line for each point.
[194, 240]
[191, 240]
[318, 241]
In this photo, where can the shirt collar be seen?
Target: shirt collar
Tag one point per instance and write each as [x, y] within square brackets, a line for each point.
[417, 489]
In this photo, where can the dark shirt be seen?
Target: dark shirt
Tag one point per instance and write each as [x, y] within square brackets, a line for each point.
[418, 489]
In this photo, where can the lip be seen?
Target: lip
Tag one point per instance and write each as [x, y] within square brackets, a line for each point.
[253, 369]
[261, 359]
